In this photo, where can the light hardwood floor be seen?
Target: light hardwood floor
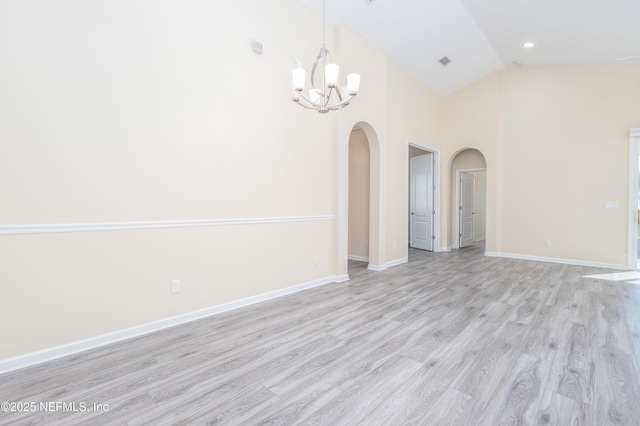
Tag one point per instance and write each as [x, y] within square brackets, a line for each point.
[446, 339]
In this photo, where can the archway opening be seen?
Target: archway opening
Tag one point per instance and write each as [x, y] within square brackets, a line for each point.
[468, 201]
[376, 202]
[359, 201]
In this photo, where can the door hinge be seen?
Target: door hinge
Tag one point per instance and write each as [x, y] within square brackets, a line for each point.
[433, 237]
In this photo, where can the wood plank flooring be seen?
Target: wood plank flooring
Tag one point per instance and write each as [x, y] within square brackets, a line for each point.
[446, 339]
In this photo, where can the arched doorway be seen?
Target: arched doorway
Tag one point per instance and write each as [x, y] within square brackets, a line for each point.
[376, 200]
[468, 177]
[359, 195]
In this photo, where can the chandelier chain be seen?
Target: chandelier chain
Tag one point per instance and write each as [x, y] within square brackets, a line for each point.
[323, 22]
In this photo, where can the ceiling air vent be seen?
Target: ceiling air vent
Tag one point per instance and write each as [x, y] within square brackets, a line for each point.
[445, 61]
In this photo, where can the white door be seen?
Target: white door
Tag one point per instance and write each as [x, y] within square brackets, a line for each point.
[467, 208]
[421, 202]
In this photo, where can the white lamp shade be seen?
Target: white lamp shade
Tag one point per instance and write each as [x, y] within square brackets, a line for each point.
[331, 74]
[353, 81]
[298, 75]
[314, 96]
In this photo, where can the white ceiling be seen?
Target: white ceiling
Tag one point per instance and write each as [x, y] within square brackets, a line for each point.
[480, 36]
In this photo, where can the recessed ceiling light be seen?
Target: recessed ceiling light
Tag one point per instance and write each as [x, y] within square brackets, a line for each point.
[528, 44]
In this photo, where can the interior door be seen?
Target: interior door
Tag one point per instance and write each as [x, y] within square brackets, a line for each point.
[421, 202]
[467, 208]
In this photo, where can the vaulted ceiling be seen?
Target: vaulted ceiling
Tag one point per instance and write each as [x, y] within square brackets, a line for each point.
[480, 36]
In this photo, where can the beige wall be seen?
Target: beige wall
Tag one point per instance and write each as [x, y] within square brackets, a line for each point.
[480, 225]
[555, 139]
[471, 121]
[154, 111]
[159, 111]
[368, 112]
[415, 115]
[359, 195]
[65, 287]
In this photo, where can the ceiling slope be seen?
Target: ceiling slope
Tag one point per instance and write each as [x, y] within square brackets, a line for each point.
[480, 36]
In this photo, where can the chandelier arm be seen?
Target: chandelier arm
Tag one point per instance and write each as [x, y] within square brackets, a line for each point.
[324, 105]
[338, 106]
[314, 67]
[327, 98]
[308, 107]
[308, 101]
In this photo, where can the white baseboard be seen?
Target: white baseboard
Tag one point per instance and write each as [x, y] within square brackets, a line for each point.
[380, 268]
[341, 278]
[358, 258]
[376, 268]
[39, 357]
[397, 262]
[558, 260]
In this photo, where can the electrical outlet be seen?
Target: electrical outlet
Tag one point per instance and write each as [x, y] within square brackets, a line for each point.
[175, 286]
[316, 260]
[548, 243]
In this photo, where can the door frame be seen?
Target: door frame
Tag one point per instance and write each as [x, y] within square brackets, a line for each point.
[634, 154]
[456, 207]
[436, 192]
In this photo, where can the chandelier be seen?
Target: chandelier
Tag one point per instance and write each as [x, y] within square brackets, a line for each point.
[329, 96]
